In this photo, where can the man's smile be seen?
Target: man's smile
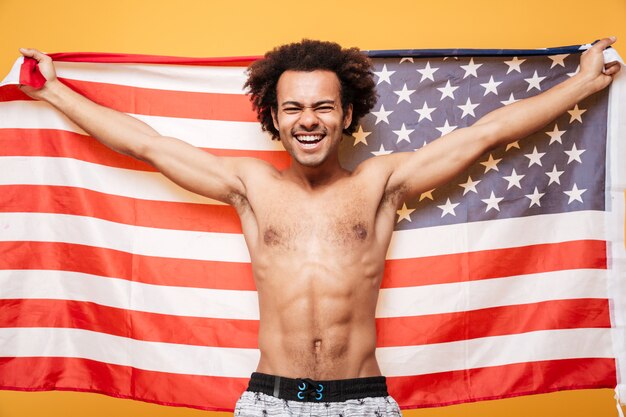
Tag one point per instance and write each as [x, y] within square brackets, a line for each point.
[309, 140]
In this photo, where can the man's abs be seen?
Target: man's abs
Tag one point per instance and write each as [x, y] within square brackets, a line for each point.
[319, 338]
[317, 314]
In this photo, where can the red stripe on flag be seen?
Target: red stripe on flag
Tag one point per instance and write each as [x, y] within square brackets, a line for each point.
[477, 384]
[167, 103]
[212, 274]
[74, 374]
[142, 326]
[146, 213]
[11, 92]
[429, 270]
[61, 143]
[429, 390]
[405, 331]
[117, 264]
[105, 57]
[494, 321]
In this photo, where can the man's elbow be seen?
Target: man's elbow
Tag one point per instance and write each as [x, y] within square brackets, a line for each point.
[143, 150]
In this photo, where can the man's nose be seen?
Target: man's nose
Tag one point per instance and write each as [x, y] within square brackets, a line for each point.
[309, 119]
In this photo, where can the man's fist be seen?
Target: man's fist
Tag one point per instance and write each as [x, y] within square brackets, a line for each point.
[592, 65]
[46, 67]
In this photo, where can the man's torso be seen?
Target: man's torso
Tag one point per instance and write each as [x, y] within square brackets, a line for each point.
[318, 258]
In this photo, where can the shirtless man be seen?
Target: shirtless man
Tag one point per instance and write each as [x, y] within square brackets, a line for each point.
[317, 233]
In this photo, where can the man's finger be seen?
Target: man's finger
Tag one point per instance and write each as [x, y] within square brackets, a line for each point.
[612, 68]
[27, 52]
[602, 44]
[33, 53]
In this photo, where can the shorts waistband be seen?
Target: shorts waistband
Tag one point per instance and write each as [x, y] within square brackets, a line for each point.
[305, 389]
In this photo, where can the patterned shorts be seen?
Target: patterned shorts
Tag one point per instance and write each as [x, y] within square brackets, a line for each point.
[269, 396]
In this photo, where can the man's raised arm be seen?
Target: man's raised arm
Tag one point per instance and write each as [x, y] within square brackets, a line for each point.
[446, 157]
[186, 165]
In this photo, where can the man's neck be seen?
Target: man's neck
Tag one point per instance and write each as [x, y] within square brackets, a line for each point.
[315, 177]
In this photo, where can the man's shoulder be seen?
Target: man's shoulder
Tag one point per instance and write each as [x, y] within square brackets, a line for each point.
[255, 166]
[380, 165]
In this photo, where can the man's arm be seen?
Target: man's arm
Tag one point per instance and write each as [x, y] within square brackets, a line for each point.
[446, 157]
[186, 165]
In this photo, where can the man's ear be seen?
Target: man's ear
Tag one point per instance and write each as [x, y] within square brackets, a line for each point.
[347, 118]
[274, 119]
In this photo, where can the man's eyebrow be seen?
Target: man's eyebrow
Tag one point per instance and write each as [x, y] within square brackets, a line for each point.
[298, 104]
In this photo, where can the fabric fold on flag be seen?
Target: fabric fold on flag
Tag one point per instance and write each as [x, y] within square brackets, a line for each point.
[509, 281]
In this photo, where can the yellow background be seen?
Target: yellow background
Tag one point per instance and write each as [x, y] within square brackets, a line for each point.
[231, 27]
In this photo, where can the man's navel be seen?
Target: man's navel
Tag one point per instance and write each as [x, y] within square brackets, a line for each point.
[317, 346]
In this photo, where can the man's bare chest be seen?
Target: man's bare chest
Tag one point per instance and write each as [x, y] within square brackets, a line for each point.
[287, 217]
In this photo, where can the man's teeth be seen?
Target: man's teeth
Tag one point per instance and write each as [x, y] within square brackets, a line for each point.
[309, 138]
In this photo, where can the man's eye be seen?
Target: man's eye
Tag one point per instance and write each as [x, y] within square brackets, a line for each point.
[324, 109]
[292, 110]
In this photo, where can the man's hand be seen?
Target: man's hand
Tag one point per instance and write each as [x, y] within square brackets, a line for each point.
[592, 66]
[46, 67]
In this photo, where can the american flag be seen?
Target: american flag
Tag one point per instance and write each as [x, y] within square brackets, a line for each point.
[501, 283]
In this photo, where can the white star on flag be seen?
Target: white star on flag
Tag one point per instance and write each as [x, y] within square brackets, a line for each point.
[558, 60]
[491, 86]
[571, 74]
[382, 115]
[384, 75]
[534, 198]
[575, 194]
[446, 128]
[470, 69]
[574, 154]
[514, 180]
[514, 65]
[425, 112]
[403, 134]
[468, 108]
[427, 194]
[554, 175]
[511, 100]
[555, 135]
[359, 136]
[447, 91]
[381, 151]
[404, 213]
[404, 94]
[469, 186]
[427, 72]
[534, 157]
[576, 114]
[492, 202]
[406, 59]
[512, 145]
[491, 164]
[448, 208]
[534, 82]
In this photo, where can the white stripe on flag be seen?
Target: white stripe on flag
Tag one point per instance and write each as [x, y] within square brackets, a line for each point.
[217, 134]
[521, 231]
[231, 304]
[201, 79]
[474, 295]
[394, 361]
[68, 172]
[45, 227]
[228, 247]
[121, 293]
[152, 356]
[541, 345]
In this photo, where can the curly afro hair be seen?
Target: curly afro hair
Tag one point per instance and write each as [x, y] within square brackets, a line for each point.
[352, 67]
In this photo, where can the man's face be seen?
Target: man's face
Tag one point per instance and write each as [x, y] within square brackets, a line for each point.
[309, 117]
